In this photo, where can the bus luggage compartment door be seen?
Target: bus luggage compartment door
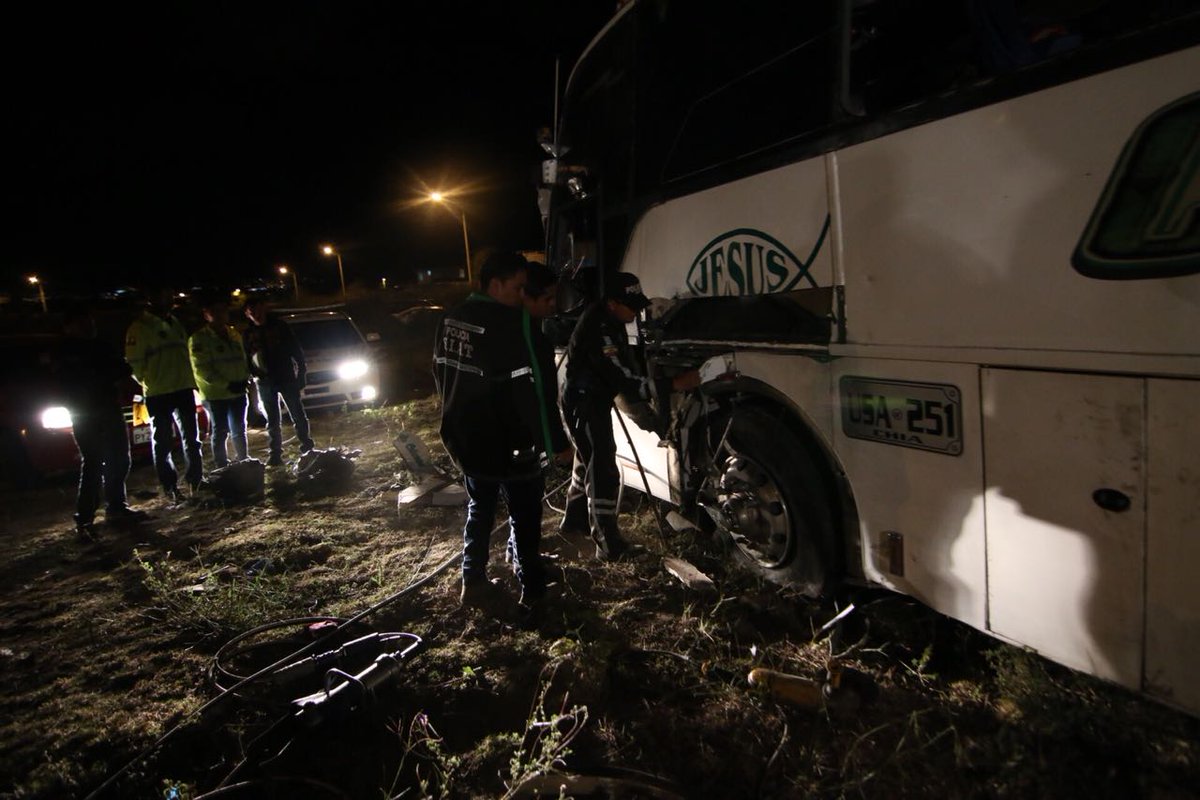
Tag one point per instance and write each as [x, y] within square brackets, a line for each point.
[1173, 543]
[1065, 469]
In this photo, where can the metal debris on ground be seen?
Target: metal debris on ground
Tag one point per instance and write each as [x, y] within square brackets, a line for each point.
[326, 471]
[239, 482]
[691, 577]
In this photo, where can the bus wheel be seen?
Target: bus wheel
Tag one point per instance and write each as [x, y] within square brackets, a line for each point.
[769, 502]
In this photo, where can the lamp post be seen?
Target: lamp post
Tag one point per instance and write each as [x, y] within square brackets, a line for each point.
[329, 251]
[33, 280]
[283, 270]
[438, 197]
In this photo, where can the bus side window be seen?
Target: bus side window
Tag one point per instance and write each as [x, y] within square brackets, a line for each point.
[749, 90]
[903, 51]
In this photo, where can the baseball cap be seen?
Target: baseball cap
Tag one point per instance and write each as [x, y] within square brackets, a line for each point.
[626, 289]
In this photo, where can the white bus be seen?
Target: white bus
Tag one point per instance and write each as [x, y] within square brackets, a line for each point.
[938, 264]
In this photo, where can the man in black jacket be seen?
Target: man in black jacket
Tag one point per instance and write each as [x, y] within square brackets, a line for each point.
[92, 375]
[598, 369]
[278, 366]
[492, 425]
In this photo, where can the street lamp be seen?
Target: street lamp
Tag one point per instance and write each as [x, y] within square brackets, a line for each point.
[33, 280]
[440, 198]
[329, 251]
[283, 270]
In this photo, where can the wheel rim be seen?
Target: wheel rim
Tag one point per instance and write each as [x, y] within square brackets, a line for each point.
[751, 509]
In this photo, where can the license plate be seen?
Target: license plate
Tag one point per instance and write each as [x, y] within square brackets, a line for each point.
[141, 434]
[925, 416]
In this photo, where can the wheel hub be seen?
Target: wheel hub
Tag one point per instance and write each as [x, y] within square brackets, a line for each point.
[749, 507]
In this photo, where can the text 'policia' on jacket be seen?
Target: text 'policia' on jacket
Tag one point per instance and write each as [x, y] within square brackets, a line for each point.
[491, 422]
[157, 350]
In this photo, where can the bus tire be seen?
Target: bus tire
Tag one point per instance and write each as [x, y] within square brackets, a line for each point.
[770, 502]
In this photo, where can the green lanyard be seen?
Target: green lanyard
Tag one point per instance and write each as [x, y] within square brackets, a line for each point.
[537, 380]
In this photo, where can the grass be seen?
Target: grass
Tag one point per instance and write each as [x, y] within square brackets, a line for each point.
[105, 649]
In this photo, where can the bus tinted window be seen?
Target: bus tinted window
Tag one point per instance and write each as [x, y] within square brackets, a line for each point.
[718, 92]
[903, 52]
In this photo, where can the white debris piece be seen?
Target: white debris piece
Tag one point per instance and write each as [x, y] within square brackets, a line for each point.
[422, 493]
[453, 495]
[691, 577]
[414, 453]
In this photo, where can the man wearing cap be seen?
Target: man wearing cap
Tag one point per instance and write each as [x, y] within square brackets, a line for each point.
[598, 369]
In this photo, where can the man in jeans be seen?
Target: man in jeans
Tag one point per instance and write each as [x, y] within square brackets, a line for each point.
[219, 363]
[92, 375]
[492, 424]
[156, 347]
[277, 364]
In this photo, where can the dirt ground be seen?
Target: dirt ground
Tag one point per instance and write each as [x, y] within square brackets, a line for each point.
[627, 684]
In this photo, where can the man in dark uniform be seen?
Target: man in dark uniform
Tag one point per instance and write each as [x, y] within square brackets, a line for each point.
[492, 425]
[539, 298]
[278, 366]
[92, 374]
[598, 369]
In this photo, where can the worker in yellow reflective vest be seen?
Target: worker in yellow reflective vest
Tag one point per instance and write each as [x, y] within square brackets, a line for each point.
[156, 347]
[219, 363]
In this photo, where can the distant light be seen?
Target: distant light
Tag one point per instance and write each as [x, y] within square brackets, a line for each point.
[327, 250]
[33, 279]
[429, 273]
[237, 292]
[56, 418]
[181, 294]
[283, 270]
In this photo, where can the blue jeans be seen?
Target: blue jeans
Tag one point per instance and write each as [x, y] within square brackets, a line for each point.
[167, 411]
[103, 458]
[524, 499]
[269, 395]
[227, 417]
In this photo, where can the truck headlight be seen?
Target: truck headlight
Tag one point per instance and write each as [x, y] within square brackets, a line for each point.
[56, 418]
[369, 393]
[350, 370]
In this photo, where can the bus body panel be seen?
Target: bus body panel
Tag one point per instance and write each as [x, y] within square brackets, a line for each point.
[1065, 576]
[1173, 542]
[721, 241]
[931, 502]
[960, 232]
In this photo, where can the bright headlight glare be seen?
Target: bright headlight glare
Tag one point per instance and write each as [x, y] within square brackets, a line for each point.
[349, 370]
[56, 418]
[369, 393]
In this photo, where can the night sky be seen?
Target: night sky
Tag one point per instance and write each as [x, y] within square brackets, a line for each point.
[213, 141]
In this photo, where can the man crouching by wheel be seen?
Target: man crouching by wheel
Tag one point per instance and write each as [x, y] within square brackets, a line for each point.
[491, 424]
[598, 369]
